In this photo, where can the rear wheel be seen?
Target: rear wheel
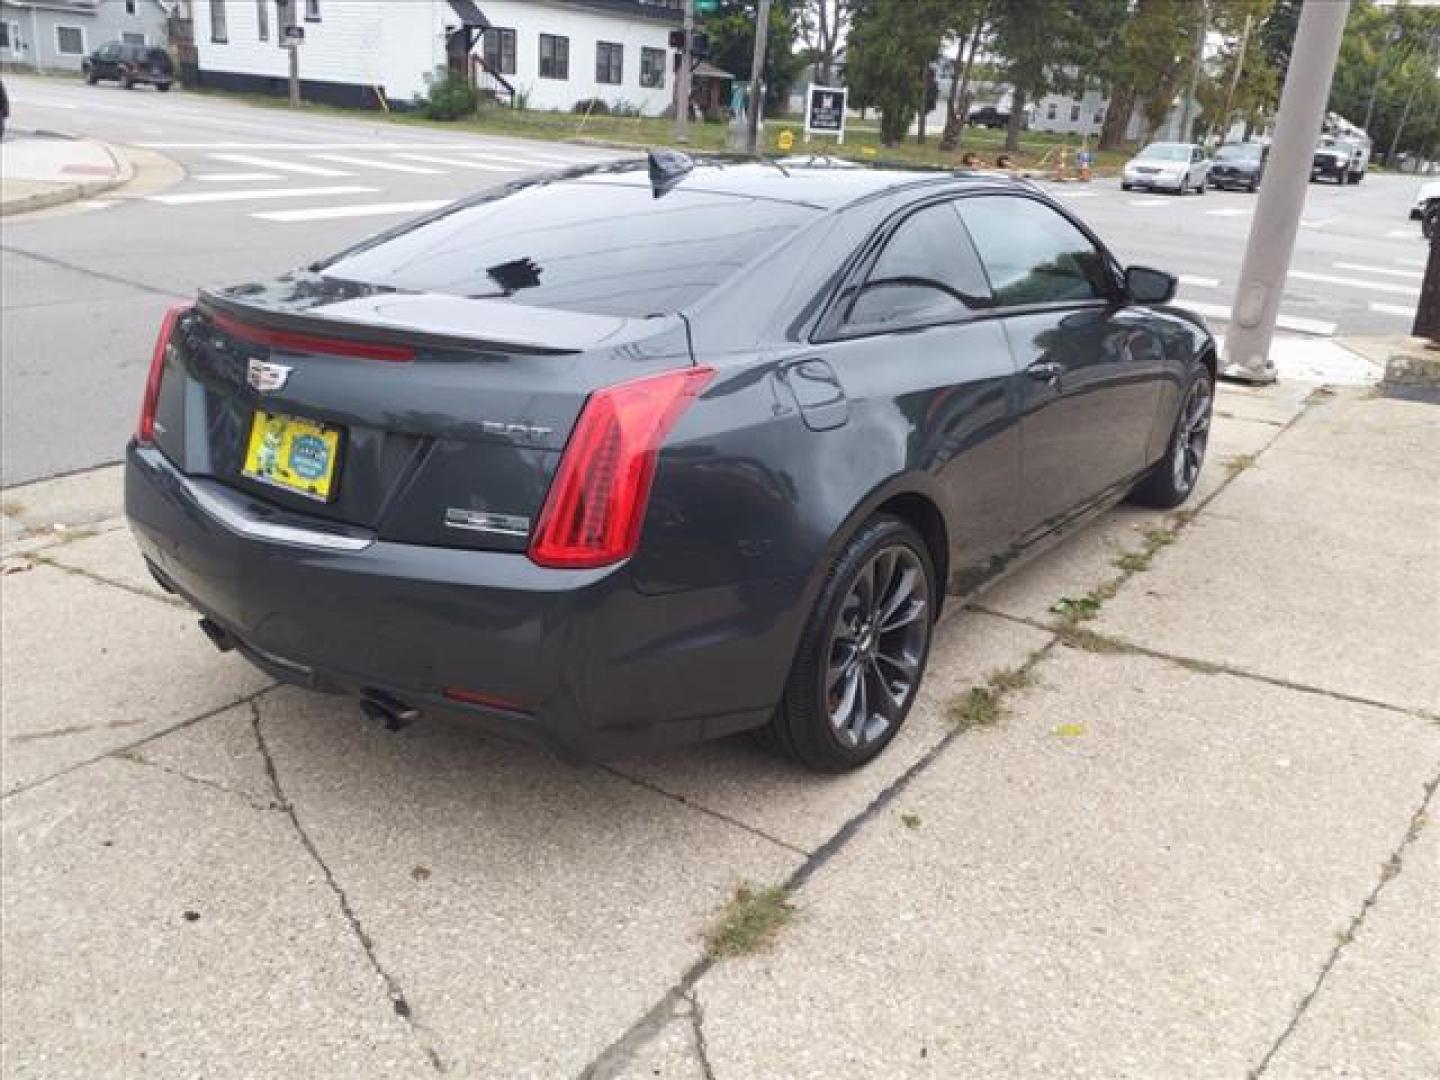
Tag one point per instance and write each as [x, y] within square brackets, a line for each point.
[163, 87]
[863, 652]
[92, 76]
[1173, 479]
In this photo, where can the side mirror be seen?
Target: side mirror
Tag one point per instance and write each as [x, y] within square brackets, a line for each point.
[1147, 286]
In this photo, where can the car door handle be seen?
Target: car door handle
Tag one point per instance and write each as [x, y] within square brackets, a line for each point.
[1045, 370]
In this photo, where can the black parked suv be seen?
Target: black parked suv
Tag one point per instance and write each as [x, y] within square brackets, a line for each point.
[1239, 165]
[129, 64]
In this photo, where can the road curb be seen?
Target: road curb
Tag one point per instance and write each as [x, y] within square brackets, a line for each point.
[73, 192]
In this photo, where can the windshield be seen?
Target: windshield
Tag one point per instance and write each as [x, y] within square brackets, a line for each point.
[603, 248]
[1166, 151]
[1238, 153]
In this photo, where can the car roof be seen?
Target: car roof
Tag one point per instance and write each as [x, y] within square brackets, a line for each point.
[823, 184]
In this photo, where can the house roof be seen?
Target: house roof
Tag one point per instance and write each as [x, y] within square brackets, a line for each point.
[665, 11]
[706, 70]
[470, 14]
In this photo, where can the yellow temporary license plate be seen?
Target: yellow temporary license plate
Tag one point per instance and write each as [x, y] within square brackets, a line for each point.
[291, 453]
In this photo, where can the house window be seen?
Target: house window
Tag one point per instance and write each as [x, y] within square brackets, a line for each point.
[262, 17]
[1074, 113]
[4, 35]
[129, 7]
[1050, 111]
[652, 67]
[130, 37]
[312, 10]
[69, 41]
[500, 50]
[609, 63]
[1099, 116]
[218, 31]
[554, 57]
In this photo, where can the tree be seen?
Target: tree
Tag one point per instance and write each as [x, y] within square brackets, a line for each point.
[1277, 37]
[731, 29]
[1390, 55]
[823, 25]
[957, 105]
[1238, 81]
[891, 44]
[1037, 39]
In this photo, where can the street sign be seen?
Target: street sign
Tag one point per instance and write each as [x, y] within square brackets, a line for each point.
[706, 7]
[295, 34]
[825, 111]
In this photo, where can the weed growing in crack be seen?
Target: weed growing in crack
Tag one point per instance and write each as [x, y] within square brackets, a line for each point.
[979, 708]
[749, 922]
[1010, 680]
[1082, 637]
[1235, 464]
[910, 821]
[1133, 562]
[1076, 608]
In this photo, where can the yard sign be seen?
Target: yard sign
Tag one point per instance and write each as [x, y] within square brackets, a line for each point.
[825, 111]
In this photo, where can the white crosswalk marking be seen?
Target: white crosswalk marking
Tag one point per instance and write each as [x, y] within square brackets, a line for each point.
[376, 163]
[1199, 282]
[459, 163]
[1228, 211]
[1395, 234]
[1149, 202]
[1409, 275]
[237, 177]
[1067, 194]
[280, 166]
[1355, 283]
[1221, 313]
[541, 160]
[1410, 262]
[1392, 309]
[333, 213]
[191, 198]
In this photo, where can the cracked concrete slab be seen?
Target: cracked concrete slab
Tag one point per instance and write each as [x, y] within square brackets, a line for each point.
[1278, 403]
[1138, 874]
[1087, 560]
[156, 928]
[530, 910]
[88, 668]
[110, 556]
[673, 1054]
[1337, 590]
[750, 784]
[78, 500]
[1378, 1013]
[220, 751]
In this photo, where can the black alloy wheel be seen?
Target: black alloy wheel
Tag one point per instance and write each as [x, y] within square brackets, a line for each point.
[863, 653]
[1173, 479]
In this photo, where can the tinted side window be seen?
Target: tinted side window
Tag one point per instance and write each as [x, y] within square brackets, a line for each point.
[1033, 254]
[927, 273]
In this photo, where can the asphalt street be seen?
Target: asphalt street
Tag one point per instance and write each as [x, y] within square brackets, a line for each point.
[264, 191]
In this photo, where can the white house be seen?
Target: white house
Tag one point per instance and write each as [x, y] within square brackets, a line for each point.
[368, 53]
[56, 35]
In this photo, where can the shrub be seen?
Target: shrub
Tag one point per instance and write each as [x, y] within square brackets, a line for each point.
[621, 107]
[450, 98]
[593, 106]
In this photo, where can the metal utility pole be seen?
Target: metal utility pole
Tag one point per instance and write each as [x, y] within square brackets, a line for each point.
[294, 47]
[1282, 196]
[682, 101]
[757, 77]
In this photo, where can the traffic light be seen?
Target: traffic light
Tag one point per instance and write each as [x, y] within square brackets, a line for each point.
[699, 43]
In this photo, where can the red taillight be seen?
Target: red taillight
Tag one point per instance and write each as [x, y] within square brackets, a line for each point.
[145, 430]
[597, 501]
[475, 697]
[312, 343]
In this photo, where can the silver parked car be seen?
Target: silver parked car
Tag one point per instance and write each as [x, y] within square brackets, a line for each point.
[1168, 166]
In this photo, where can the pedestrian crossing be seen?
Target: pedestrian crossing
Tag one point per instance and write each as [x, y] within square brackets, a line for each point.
[239, 173]
[1197, 292]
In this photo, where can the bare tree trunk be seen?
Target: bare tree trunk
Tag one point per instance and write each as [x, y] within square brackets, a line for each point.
[958, 108]
[1117, 117]
[1017, 113]
[924, 101]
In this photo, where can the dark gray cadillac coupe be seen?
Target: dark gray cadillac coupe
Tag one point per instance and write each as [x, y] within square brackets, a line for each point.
[658, 451]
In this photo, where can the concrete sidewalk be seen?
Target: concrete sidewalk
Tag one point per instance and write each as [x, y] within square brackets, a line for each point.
[39, 170]
[1189, 834]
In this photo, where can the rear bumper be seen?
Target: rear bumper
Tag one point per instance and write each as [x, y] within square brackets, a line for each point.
[578, 660]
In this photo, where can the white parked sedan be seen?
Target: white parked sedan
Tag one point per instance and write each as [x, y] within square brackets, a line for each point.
[1168, 166]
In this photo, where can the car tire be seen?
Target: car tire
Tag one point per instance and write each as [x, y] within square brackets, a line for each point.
[163, 87]
[1254, 187]
[826, 719]
[1125, 187]
[1200, 186]
[1174, 477]
[127, 82]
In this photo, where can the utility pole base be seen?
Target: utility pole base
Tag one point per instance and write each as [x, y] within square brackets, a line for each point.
[1239, 373]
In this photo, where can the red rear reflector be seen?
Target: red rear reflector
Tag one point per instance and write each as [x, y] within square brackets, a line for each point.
[596, 505]
[474, 697]
[145, 430]
[312, 343]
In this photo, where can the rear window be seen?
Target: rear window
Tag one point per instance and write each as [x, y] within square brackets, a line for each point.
[598, 247]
